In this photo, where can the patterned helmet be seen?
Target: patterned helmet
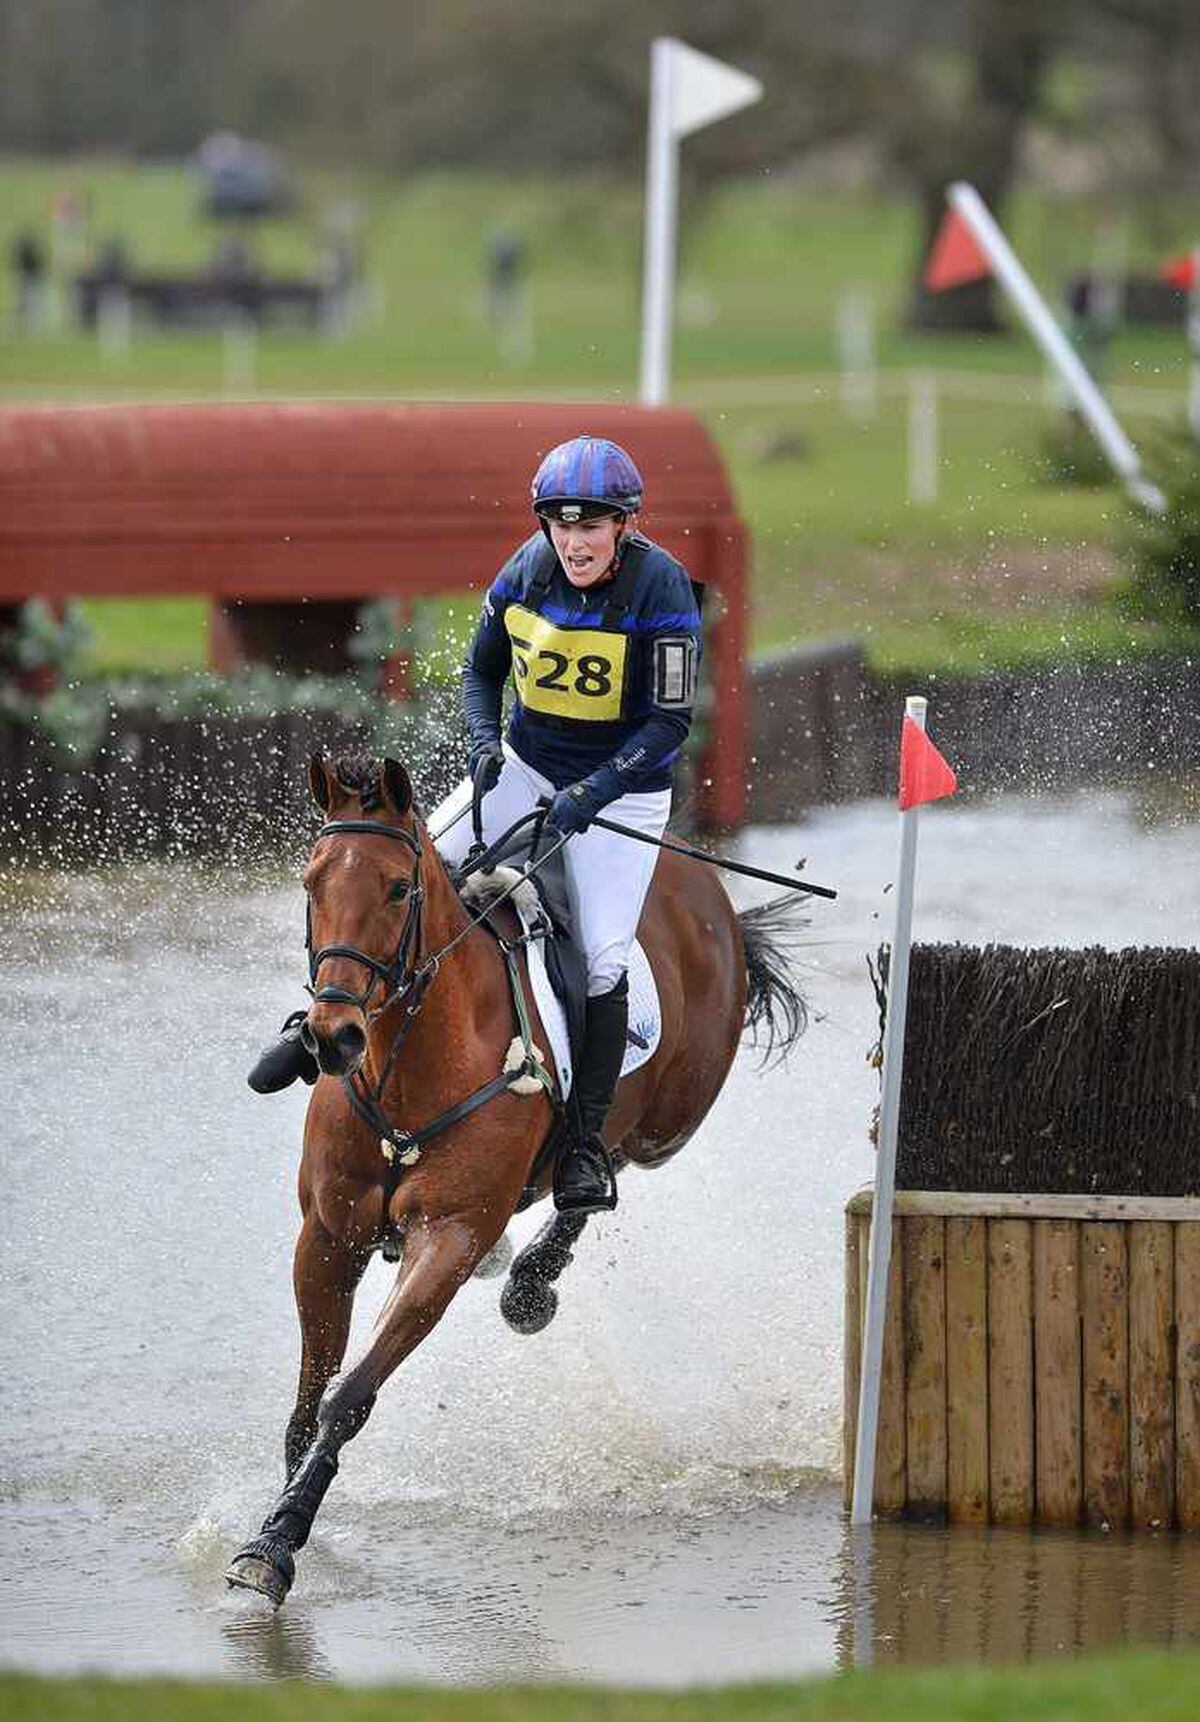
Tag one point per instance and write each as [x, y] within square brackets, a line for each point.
[591, 472]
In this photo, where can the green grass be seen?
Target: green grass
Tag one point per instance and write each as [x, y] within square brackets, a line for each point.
[1002, 568]
[838, 549]
[762, 268]
[147, 633]
[1147, 1687]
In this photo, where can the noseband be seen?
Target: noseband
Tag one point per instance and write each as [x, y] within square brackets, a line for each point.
[398, 975]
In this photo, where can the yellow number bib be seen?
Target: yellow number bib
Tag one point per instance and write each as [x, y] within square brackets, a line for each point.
[566, 672]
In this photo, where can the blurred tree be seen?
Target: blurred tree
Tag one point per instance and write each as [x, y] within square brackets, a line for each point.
[967, 124]
[141, 75]
[940, 88]
[1158, 44]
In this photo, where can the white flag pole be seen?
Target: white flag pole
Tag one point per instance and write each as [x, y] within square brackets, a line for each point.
[688, 90]
[856, 353]
[922, 436]
[863, 1498]
[1042, 325]
[662, 196]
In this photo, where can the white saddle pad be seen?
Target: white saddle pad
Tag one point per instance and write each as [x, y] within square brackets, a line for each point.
[645, 1015]
[645, 1012]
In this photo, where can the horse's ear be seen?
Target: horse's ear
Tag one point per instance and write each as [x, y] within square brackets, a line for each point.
[398, 785]
[318, 782]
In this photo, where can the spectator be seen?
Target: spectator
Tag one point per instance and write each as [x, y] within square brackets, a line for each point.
[29, 266]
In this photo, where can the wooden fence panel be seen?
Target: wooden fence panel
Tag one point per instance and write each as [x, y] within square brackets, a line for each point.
[891, 1480]
[966, 1370]
[1104, 1288]
[1010, 1370]
[1187, 1374]
[1151, 1383]
[925, 1365]
[1037, 1366]
[1057, 1349]
[852, 1351]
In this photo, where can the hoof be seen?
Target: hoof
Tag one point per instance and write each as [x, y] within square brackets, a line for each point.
[265, 1565]
[528, 1304]
[497, 1261]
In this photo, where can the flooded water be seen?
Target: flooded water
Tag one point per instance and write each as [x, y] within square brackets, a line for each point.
[644, 1493]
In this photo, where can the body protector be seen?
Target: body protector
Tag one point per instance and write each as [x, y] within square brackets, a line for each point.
[604, 677]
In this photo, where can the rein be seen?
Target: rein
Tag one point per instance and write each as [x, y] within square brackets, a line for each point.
[402, 1147]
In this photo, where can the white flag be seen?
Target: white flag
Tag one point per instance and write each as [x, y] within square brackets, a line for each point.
[688, 90]
[704, 90]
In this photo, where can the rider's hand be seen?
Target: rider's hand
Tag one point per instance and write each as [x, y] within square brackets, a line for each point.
[572, 810]
[486, 764]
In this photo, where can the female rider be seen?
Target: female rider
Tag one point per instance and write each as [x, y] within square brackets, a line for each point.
[600, 632]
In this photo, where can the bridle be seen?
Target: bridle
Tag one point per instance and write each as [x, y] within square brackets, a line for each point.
[399, 976]
[405, 978]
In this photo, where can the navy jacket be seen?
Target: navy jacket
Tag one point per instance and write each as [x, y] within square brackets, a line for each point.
[604, 678]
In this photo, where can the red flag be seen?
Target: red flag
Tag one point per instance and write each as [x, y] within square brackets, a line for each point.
[924, 774]
[1179, 271]
[956, 256]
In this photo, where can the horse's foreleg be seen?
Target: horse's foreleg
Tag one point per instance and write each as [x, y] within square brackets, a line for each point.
[438, 1257]
[325, 1275]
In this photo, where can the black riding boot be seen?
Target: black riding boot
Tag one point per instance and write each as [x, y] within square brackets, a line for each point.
[284, 1060]
[584, 1182]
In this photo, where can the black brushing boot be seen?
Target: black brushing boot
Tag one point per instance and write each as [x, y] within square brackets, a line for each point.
[584, 1181]
[284, 1060]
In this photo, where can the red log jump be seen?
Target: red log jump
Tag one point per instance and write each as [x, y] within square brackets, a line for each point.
[267, 507]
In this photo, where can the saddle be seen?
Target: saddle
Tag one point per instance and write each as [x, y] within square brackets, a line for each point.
[538, 913]
[545, 912]
[566, 967]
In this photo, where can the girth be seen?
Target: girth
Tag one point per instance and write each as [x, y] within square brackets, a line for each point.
[402, 1148]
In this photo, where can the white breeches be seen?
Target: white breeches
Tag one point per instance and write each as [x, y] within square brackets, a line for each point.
[607, 875]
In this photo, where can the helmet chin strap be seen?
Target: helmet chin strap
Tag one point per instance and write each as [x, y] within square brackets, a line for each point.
[618, 545]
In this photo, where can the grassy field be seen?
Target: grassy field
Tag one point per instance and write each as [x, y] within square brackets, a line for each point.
[1146, 1687]
[1003, 566]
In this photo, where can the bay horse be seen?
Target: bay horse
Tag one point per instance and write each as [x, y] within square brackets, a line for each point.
[413, 995]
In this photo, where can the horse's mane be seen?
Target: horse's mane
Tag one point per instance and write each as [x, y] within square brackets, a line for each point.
[361, 774]
[355, 770]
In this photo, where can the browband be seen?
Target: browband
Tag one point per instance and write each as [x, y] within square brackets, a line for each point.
[372, 827]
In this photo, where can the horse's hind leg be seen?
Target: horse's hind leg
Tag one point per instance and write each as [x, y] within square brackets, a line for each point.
[529, 1300]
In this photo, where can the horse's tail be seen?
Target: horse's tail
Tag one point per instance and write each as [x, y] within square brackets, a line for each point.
[776, 1014]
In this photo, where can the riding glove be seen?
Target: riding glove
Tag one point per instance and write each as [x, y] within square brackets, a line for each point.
[486, 764]
[573, 809]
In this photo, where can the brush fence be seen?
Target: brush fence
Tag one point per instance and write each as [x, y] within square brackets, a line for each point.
[1041, 1358]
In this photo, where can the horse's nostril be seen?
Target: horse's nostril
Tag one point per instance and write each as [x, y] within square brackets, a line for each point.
[350, 1041]
[308, 1039]
[337, 1053]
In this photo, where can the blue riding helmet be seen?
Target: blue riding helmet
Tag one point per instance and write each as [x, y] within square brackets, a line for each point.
[589, 472]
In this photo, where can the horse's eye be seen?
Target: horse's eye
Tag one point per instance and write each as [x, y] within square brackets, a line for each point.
[398, 891]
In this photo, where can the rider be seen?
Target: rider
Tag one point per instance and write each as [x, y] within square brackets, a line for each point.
[600, 631]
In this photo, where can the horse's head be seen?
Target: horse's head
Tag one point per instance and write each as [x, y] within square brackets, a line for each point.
[363, 881]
